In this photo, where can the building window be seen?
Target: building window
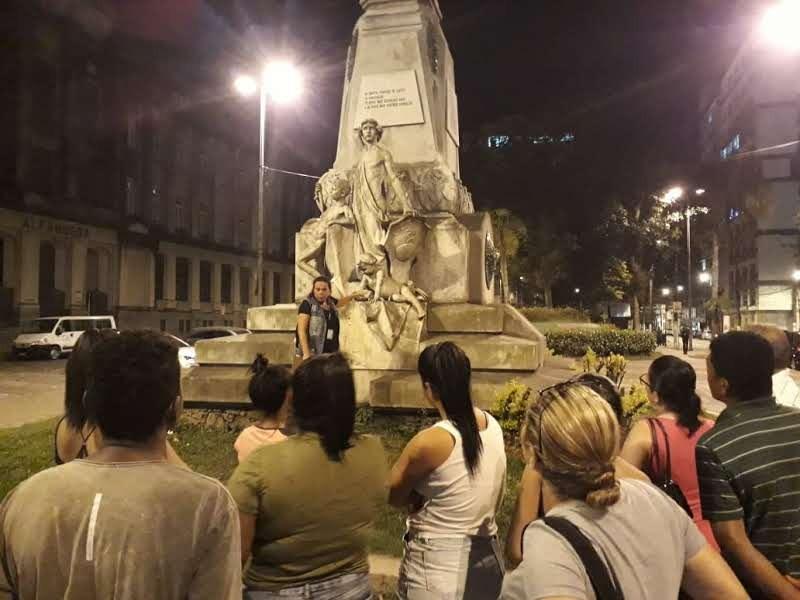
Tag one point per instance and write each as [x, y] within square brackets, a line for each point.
[225, 284]
[162, 324]
[184, 325]
[205, 281]
[203, 224]
[130, 196]
[731, 147]
[244, 286]
[182, 279]
[132, 134]
[180, 216]
[159, 285]
[499, 141]
[276, 288]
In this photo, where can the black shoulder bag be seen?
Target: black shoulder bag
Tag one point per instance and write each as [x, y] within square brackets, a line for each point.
[601, 575]
[663, 477]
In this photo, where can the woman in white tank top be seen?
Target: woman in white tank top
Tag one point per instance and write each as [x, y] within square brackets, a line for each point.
[450, 477]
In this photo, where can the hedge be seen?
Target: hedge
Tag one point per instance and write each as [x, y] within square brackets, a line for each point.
[540, 314]
[603, 340]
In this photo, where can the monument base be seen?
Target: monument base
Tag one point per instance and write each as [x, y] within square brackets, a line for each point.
[501, 344]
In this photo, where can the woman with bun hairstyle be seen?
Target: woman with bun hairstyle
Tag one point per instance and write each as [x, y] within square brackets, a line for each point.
[269, 391]
[678, 425]
[643, 543]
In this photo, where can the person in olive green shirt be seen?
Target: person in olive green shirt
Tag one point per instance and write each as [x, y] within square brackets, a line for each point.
[306, 505]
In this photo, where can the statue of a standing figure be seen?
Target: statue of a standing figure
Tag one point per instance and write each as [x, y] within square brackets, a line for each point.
[375, 185]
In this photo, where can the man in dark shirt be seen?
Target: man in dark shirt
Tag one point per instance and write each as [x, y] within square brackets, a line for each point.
[748, 468]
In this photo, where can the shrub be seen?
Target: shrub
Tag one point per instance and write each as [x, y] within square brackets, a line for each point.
[635, 404]
[541, 314]
[602, 340]
[509, 409]
[612, 366]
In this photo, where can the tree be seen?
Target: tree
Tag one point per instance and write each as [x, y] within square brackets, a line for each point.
[509, 235]
[639, 236]
[546, 256]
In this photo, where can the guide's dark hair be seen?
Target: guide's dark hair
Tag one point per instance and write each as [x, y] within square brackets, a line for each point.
[324, 402]
[319, 279]
[606, 389]
[134, 384]
[268, 385]
[77, 374]
[746, 360]
[447, 370]
[674, 381]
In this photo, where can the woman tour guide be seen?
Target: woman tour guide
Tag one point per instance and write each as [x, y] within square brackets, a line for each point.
[318, 322]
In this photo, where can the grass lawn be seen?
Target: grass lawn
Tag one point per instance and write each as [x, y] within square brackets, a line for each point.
[28, 449]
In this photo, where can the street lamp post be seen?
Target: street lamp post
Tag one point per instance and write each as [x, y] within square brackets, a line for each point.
[671, 196]
[796, 278]
[283, 83]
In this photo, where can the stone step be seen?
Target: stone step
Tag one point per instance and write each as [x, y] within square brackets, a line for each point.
[280, 317]
[218, 385]
[494, 351]
[465, 318]
[403, 390]
[277, 347]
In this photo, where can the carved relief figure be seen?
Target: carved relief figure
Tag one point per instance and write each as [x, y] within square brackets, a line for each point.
[376, 186]
[383, 286]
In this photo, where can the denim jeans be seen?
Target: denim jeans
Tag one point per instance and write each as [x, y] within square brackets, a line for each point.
[459, 568]
[353, 586]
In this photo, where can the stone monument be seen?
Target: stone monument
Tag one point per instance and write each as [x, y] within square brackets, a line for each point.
[397, 228]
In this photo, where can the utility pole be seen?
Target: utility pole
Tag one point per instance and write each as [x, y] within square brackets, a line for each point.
[689, 271]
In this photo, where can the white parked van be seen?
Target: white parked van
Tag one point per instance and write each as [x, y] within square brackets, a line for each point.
[53, 336]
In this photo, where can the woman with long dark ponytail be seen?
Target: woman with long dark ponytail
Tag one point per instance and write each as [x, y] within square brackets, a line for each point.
[664, 446]
[450, 478]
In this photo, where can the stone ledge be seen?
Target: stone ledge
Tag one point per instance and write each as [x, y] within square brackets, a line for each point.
[465, 318]
[277, 347]
[492, 351]
[281, 317]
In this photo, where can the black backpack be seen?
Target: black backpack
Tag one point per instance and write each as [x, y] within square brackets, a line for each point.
[601, 574]
[663, 477]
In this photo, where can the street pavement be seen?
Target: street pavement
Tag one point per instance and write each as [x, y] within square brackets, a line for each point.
[30, 390]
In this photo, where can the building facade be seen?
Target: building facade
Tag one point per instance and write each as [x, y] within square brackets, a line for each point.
[749, 144]
[123, 188]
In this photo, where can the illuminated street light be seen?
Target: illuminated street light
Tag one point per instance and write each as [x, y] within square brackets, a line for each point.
[779, 26]
[704, 277]
[245, 85]
[665, 291]
[283, 83]
[796, 275]
[699, 191]
[577, 290]
[680, 289]
[672, 195]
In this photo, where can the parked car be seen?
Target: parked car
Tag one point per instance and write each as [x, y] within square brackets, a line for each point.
[55, 336]
[186, 353]
[210, 333]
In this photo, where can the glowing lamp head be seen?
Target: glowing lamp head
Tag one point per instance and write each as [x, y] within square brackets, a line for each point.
[245, 85]
[796, 275]
[779, 26]
[283, 82]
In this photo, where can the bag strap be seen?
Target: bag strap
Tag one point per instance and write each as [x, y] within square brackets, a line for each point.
[655, 455]
[668, 467]
[601, 575]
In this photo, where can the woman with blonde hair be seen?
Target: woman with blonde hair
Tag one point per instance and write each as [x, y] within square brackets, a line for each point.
[603, 537]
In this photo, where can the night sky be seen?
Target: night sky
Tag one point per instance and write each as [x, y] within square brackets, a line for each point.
[629, 71]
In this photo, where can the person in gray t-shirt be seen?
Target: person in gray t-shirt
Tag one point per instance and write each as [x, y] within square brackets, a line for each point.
[571, 437]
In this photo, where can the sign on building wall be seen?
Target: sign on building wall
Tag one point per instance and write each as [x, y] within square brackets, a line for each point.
[389, 98]
[67, 230]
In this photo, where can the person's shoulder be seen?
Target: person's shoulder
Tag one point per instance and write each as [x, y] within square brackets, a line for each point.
[305, 306]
